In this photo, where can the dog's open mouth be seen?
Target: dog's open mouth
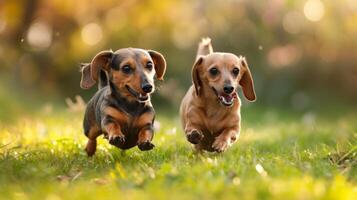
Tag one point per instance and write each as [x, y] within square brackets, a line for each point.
[226, 99]
[140, 97]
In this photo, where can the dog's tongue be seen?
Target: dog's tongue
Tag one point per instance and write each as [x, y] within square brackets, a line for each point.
[228, 98]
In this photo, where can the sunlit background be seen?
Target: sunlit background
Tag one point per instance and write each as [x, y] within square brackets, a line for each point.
[297, 141]
[302, 53]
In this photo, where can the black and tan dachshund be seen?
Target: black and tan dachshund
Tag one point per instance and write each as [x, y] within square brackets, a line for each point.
[121, 108]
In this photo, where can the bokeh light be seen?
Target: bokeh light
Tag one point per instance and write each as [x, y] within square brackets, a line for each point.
[92, 34]
[292, 22]
[314, 10]
[39, 35]
[283, 56]
[2, 25]
[303, 39]
[352, 4]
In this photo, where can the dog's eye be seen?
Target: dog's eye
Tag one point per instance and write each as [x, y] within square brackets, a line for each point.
[126, 69]
[149, 65]
[235, 71]
[213, 71]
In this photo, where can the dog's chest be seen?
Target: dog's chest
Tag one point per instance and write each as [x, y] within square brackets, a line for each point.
[137, 121]
[213, 123]
[133, 122]
[127, 120]
[130, 119]
[216, 122]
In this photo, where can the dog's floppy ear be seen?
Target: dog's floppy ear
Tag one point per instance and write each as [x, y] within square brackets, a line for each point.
[159, 63]
[247, 82]
[86, 81]
[91, 70]
[195, 75]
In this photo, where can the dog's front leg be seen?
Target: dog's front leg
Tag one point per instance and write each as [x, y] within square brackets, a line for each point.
[193, 132]
[115, 136]
[144, 138]
[225, 139]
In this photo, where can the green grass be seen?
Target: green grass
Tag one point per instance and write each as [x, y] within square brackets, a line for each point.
[279, 155]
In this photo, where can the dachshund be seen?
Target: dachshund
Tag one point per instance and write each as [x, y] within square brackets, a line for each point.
[121, 108]
[210, 110]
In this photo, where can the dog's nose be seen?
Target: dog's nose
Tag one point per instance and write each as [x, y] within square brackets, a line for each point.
[228, 89]
[147, 88]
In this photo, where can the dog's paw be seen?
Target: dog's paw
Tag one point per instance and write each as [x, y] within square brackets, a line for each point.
[116, 140]
[194, 137]
[146, 146]
[220, 145]
[233, 138]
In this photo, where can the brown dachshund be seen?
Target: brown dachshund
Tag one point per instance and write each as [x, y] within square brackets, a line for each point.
[121, 108]
[210, 110]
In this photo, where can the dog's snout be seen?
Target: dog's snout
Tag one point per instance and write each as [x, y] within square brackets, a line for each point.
[147, 87]
[228, 89]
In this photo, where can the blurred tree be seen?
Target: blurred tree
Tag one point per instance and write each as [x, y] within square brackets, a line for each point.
[296, 49]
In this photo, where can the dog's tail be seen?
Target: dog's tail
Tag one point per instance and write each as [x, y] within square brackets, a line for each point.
[204, 47]
[85, 68]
